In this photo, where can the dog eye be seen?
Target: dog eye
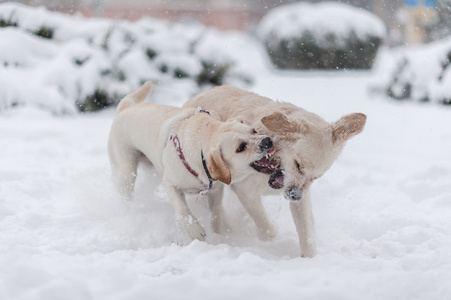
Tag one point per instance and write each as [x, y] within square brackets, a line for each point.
[254, 131]
[241, 147]
[300, 169]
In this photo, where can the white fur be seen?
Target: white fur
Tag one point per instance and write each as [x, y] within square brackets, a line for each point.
[143, 130]
[306, 147]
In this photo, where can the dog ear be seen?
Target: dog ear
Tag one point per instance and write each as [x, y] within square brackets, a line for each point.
[280, 124]
[348, 126]
[217, 167]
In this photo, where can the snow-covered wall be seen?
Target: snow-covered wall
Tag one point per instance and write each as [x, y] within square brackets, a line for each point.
[67, 63]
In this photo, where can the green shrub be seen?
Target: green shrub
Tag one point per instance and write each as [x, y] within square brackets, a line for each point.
[44, 32]
[98, 100]
[213, 73]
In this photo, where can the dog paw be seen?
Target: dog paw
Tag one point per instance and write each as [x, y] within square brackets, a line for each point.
[309, 252]
[193, 228]
[268, 233]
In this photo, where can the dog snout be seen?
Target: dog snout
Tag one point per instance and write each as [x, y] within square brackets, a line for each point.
[266, 144]
[294, 194]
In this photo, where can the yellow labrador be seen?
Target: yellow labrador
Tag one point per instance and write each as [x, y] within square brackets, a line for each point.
[306, 146]
[187, 147]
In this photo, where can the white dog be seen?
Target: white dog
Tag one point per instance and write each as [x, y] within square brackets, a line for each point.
[306, 146]
[188, 148]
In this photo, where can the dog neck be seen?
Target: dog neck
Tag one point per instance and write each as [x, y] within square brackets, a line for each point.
[178, 150]
[210, 179]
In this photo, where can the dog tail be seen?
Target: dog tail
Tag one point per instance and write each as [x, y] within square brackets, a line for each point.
[136, 97]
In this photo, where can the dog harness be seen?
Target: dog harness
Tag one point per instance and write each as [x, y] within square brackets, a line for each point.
[178, 150]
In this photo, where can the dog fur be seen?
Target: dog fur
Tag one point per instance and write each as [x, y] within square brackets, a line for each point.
[306, 147]
[145, 130]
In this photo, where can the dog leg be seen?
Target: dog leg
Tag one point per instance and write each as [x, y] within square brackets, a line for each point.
[254, 207]
[218, 221]
[303, 219]
[124, 172]
[190, 224]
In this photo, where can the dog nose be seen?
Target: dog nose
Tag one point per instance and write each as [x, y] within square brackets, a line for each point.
[266, 144]
[294, 194]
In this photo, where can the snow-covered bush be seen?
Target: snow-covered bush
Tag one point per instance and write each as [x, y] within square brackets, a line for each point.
[321, 36]
[439, 26]
[421, 74]
[67, 63]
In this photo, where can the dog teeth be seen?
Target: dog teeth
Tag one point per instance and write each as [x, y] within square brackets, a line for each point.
[269, 167]
[268, 155]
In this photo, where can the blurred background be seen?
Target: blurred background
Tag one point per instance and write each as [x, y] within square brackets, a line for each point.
[408, 22]
[93, 52]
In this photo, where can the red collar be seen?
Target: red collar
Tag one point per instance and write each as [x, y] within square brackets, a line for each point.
[179, 151]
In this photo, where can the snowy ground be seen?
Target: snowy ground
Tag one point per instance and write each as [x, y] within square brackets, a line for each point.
[383, 212]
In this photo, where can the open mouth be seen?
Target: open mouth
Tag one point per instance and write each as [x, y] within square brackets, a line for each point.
[267, 165]
[276, 179]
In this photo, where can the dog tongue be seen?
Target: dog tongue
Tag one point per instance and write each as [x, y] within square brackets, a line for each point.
[276, 179]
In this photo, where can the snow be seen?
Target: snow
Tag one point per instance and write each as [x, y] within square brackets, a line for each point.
[111, 56]
[382, 211]
[424, 69]
[321, 20]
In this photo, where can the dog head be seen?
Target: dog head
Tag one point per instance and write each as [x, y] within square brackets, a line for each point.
[307, 146]
[234, 149]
